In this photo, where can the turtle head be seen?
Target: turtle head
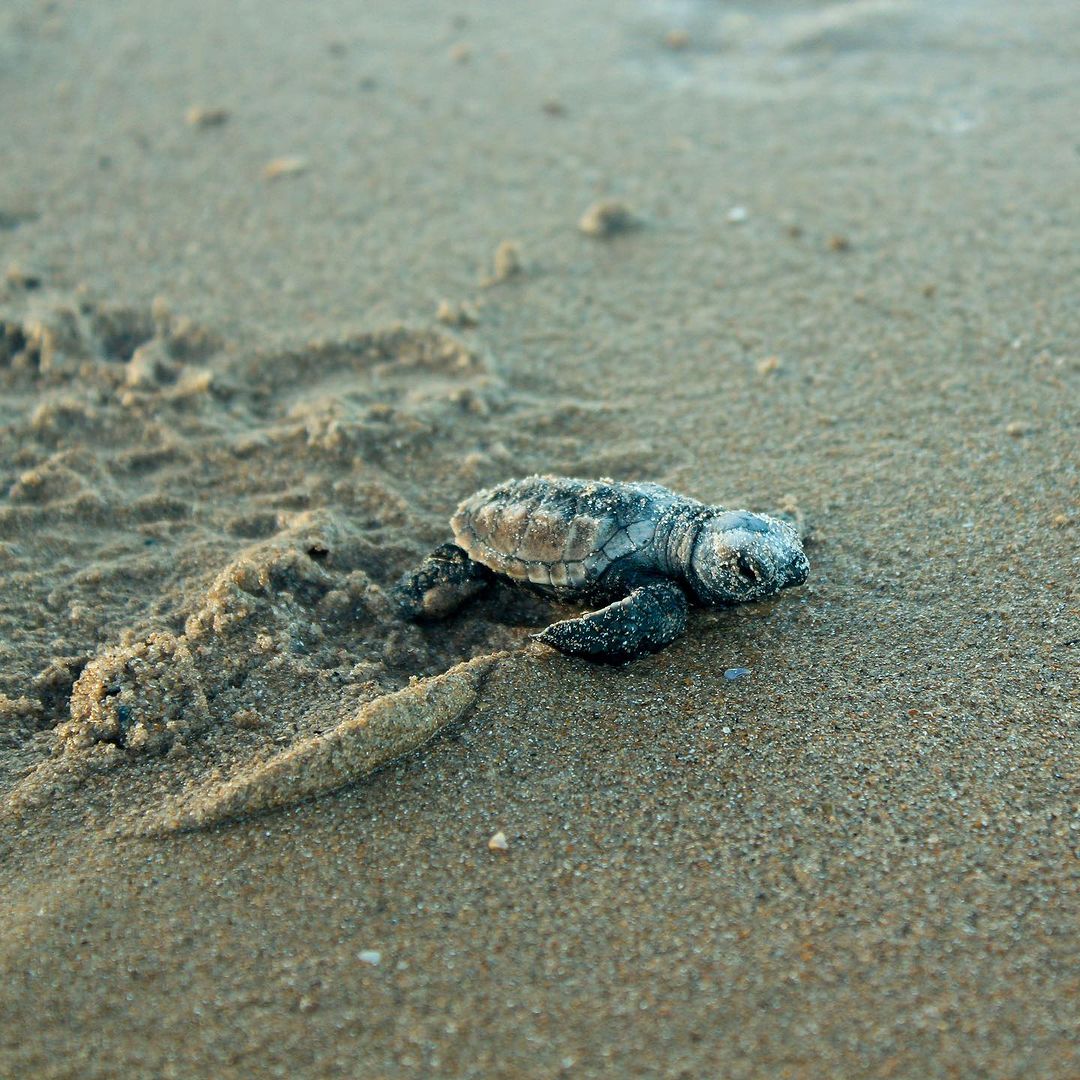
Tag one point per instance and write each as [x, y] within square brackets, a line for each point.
[739, 556]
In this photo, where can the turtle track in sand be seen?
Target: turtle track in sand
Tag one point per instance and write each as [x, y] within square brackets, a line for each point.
[207, 531]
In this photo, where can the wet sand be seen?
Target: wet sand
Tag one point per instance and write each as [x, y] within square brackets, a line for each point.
[283, 284]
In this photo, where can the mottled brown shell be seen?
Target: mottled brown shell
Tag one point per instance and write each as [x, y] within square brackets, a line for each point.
[552, 532]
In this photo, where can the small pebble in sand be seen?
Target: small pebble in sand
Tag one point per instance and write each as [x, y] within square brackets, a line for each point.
[247, 719]
[285, 166]
[737, 215]
[553, 107]
[608, 217]
[203, 116]
[677, 39]
[734, 673]
[498, 842]
[463, 314]
[767, 365]
[150, 366]
[1059, 521]
[839, 243]
[460, 53]
[369, 956]
[1017, 429]
[506, 263]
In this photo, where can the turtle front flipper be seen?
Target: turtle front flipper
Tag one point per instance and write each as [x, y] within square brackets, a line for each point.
[440, 584]
[652, 616]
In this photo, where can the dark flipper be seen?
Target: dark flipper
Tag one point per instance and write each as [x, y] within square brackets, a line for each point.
[652, 616]
[440, 584]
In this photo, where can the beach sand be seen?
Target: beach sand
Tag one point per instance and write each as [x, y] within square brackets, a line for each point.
[284, 283]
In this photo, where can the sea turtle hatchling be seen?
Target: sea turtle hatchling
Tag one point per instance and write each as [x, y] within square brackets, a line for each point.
[637, 548]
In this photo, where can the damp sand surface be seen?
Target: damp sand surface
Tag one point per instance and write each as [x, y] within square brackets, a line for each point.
[281, 287]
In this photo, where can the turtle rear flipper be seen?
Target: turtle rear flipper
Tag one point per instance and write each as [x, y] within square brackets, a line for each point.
[649, 618]
[440, 584]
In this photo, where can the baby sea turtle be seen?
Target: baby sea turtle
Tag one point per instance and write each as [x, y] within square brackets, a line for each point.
[637, 548]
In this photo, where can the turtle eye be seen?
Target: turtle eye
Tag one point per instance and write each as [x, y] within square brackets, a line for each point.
[746, 568]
